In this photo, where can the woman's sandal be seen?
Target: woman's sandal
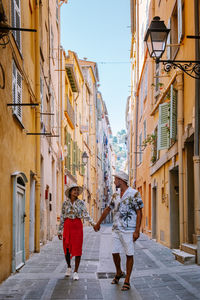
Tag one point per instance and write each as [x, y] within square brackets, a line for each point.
[126, 286]
[117, 278]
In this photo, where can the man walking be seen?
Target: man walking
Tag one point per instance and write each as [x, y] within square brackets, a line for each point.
[127, 218]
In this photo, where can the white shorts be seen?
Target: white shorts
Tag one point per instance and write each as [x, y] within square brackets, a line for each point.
[123, 242]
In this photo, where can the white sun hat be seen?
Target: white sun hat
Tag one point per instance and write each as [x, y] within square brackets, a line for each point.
[122, 175]
[73, 185]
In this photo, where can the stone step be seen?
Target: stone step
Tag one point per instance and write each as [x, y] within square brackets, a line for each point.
[189, 248]
[184, 257]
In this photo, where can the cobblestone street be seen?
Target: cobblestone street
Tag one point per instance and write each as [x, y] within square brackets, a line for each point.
[156, 274]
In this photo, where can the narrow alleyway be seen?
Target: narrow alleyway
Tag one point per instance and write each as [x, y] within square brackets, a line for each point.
[156, 274]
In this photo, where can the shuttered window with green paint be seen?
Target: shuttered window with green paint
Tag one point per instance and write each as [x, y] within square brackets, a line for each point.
[173, 113]
[163, 126]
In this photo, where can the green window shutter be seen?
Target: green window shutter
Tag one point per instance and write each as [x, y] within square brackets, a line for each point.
[73, 158]
[76, 151]
[69, 152]
[180, 20]
[79, 159]
[163, 132]
[173, 113]
[82, 166]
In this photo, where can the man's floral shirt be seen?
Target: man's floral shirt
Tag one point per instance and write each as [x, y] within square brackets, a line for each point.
[124, 210]
[73, 211]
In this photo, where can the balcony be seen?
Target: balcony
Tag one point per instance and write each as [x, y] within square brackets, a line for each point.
[69, 113]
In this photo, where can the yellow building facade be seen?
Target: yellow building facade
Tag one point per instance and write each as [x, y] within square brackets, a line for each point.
[165, 135]
[20, 150]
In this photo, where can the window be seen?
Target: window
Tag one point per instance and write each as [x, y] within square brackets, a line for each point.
[17, 92]
[167, 129]
[140, 148]
[168, 50]
[141, 99]
[52, 111]
[145, 82]
[145, 129]
[173, 114]
[176, 25]
[41, 99]
[52, 42]
[57, 11]
[16, 21]
[74, 144]
[68, 143]
[157, 90]
[163, 126]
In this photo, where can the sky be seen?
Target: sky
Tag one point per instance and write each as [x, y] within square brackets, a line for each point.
[100, 31]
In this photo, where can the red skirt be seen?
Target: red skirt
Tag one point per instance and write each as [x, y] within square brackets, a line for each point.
[73, 237]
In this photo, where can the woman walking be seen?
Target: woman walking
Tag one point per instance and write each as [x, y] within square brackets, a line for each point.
[73, 210]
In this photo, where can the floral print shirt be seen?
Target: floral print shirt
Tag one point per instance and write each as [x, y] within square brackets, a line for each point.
[73, 211]
[124, 210]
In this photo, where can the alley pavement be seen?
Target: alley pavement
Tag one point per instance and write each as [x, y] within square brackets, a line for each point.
[156, 274]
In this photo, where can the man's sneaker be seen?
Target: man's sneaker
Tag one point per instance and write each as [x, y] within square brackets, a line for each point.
[68, 273]
[75, 276]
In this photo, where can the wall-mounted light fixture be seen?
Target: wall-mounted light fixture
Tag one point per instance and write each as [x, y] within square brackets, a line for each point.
[156, 40]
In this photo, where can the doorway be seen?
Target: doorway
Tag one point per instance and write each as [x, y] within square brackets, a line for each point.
[32, 215]
[19, 226]
[154, 213]
[174, 208]
[190, 190]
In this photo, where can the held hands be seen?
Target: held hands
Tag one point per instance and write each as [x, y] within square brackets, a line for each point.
[60, 236]
[136, 235]
[96, 227]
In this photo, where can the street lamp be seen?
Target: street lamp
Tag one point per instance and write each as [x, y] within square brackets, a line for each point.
[84, 158]
[79, 165]
[156, 40]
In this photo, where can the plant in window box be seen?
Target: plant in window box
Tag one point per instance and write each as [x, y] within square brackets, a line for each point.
[151, 139]
[168, 128]
[153, 158]
[158, 85]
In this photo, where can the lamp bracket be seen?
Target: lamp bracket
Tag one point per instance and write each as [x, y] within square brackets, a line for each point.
[190, 67]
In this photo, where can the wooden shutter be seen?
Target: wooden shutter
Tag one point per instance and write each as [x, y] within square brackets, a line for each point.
[19, 95]
[140, 148]
[163, 125]
[14, 87]
[69, 151]
[16, 20]
[173, 113]
[52, 111]
[17, 91]
[79, 159]
[57, 10]
[169, 40]
[180, 20]
[145, 129]
[41, 98]
[73, 158]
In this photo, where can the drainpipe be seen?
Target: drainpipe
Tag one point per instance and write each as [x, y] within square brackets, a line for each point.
[196, 157]
[37, 94]
[179, 80]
